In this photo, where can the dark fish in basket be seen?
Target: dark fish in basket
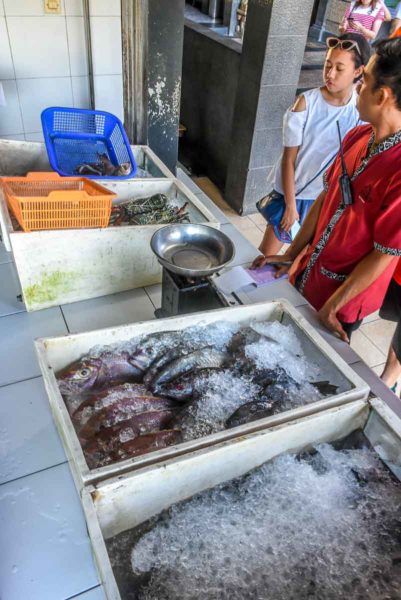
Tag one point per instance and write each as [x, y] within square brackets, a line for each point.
[95, 372]
[103, 167]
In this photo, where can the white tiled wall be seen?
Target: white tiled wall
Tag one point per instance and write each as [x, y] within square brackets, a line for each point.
[43, 61]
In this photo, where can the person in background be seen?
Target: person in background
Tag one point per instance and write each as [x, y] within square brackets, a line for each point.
[364, 17]
[396, 22]
[352, 242]
[310, 140]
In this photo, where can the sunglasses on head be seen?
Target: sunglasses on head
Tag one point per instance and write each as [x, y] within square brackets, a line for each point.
[333, 42]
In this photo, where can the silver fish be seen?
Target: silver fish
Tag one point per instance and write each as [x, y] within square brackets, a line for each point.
[206, 358]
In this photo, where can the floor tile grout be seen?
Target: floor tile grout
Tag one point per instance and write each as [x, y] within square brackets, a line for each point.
[374, 343]
[64, 318]
[34, 472]
[94, 587]
[4, 385]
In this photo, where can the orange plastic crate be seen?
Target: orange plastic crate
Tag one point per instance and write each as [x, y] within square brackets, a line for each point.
[48, 201]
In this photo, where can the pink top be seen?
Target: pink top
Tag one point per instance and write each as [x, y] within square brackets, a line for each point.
[364, 15]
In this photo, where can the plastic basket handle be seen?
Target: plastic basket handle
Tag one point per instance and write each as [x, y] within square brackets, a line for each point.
[43, 175]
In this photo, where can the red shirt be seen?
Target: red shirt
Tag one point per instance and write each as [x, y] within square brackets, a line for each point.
[346, 234]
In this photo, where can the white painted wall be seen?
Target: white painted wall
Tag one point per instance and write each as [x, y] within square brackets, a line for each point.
[43, 61]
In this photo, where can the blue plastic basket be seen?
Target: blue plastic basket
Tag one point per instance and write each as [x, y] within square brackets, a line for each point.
[75, 136]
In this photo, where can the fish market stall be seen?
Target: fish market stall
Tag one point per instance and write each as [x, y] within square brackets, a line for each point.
[307, 508]
[61, 266]
[19, 158]
[135, 395]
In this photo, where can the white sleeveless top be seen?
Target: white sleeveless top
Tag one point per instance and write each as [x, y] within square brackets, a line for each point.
[314, 130]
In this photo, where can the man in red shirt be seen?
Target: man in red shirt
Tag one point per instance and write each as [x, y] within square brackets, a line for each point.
[351, 252]
[391, 310]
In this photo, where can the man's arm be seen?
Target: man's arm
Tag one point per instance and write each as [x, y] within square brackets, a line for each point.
[364, 274]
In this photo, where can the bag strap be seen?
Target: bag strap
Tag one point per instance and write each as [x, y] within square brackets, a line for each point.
[317, 175]
[324, 167]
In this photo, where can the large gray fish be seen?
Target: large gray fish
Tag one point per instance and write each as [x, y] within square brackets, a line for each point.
[151, 347]
[162, 360]
[251, 411]
[206, 358]
[183, 388]
[95, 372]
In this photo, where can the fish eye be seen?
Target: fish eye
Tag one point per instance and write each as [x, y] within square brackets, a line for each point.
[83, 373]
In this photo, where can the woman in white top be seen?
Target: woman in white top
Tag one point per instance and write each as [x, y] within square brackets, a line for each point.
[310, 140]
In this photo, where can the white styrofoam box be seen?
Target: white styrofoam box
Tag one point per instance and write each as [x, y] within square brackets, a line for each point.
[122, 503]
[10, 115]
[89, 263]
[105, 8]
[6, 61]
[25, 8]
[56, 353]
[37, 94]
[80, 92]
[35, 136]
[73, 8]
[14, 136]
[109, 94]
[77, 46]
[39, 46]
[106, 45]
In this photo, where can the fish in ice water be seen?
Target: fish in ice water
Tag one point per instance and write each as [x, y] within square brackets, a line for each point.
[96, 372]
[251, 411]
[206, 358]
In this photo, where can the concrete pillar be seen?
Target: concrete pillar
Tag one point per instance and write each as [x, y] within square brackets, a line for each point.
[152, 41]
[318, 28]
[274, 44]
[165, 43]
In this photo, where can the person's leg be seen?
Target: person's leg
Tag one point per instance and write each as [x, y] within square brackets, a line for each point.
[392, 369]
[270, 243]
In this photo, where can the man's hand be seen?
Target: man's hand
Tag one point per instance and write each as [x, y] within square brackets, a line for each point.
[328, 317]
[261, 261]
[290, 216]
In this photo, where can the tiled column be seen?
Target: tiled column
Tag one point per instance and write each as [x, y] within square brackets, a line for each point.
[274, 43]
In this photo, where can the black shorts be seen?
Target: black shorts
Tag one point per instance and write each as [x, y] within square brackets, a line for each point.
[391, 311]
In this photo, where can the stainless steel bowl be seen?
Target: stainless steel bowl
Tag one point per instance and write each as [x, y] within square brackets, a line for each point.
[192, 250]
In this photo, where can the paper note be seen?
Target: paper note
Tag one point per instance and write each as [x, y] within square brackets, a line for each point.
[237, 278]
[264, 275]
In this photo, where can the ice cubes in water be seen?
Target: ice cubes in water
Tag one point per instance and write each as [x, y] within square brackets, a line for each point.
[325, 526]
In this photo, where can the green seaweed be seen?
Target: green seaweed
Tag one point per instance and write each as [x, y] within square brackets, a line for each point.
[49, 288]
